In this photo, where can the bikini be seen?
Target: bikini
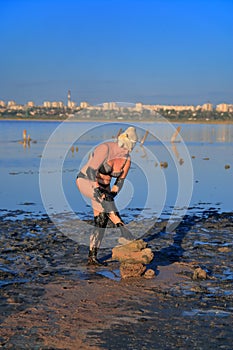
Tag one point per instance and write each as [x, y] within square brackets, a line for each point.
[106, 169]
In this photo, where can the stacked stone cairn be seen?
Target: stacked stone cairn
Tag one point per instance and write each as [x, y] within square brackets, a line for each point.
[133, 257]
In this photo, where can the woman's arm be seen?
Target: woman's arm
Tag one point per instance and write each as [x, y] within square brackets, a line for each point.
[120, 180]
[97, 158]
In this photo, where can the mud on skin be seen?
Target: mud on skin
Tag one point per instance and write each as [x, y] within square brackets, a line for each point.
[50, 299]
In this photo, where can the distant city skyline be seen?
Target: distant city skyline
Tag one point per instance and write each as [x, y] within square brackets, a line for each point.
[139, 107]
[154, 52]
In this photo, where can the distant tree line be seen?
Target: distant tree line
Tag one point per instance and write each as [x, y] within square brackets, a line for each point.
[123, 114]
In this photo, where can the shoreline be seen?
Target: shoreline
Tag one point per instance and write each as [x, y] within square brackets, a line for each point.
[52, 300]
[211, 122]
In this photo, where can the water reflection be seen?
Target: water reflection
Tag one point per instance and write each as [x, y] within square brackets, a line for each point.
[211, 133]
[176, 153]
[176, 134]
[26, 141]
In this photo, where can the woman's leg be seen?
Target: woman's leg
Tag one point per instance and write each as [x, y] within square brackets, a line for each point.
[101, 214]
[100, 220]
[100, 223]
[85, 187]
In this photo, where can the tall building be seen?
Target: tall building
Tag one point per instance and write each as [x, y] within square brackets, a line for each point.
[69, 99]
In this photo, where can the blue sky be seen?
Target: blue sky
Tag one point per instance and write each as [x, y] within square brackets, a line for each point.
[149, 51]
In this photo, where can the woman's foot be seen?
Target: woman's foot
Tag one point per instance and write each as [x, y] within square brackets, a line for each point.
[93, 260]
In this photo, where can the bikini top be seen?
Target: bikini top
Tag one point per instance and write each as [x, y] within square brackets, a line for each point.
[108, 159]
[113, 167]
[107, 169]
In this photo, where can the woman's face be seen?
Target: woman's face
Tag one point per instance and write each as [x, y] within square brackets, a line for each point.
[131, 145]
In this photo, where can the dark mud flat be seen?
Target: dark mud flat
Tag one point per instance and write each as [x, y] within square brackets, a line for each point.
[50, 299]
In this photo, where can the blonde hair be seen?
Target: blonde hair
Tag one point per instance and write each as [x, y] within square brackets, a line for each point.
[128, 138]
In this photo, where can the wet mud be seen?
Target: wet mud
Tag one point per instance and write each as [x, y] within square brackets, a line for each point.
[50, 299]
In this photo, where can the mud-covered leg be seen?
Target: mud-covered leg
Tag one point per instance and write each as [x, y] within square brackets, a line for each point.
[100, 222]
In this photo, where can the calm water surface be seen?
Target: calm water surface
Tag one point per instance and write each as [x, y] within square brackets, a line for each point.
[209, 147]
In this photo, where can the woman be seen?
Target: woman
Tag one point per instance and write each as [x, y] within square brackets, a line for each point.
[108, 160]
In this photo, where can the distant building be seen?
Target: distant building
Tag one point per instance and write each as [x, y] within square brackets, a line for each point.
[174, 108]
[138, 106]
[30, 104]
[84, 104]
[207, 107]
[16, 108]
[47, 104]
[11, 104]
[222, 107]
[110, 105]
[54, 104]
[68, 98]
[2, 104]
[71, 104]
[57, 104]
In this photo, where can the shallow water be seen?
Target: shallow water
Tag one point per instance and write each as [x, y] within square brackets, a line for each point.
[209, 152]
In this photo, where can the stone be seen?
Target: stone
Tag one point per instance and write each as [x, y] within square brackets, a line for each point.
[199, 273]
[163, 165]
[149, 273]
[133, 257]
[135, 245]
[144, 256]
[131, 270]
[224, 249]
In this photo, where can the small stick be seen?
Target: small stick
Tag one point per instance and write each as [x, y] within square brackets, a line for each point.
[25, 135]
[144, 137]
[176, 133]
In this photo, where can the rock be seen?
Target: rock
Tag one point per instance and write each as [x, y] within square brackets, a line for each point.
[224, 249]
[133, 257]
[149, 273]
[4, 261]
[199, 274]
[131, 270]
[122, 254]
[135, 245]
[163, 165]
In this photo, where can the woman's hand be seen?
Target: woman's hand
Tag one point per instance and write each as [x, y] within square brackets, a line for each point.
[98, 194]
